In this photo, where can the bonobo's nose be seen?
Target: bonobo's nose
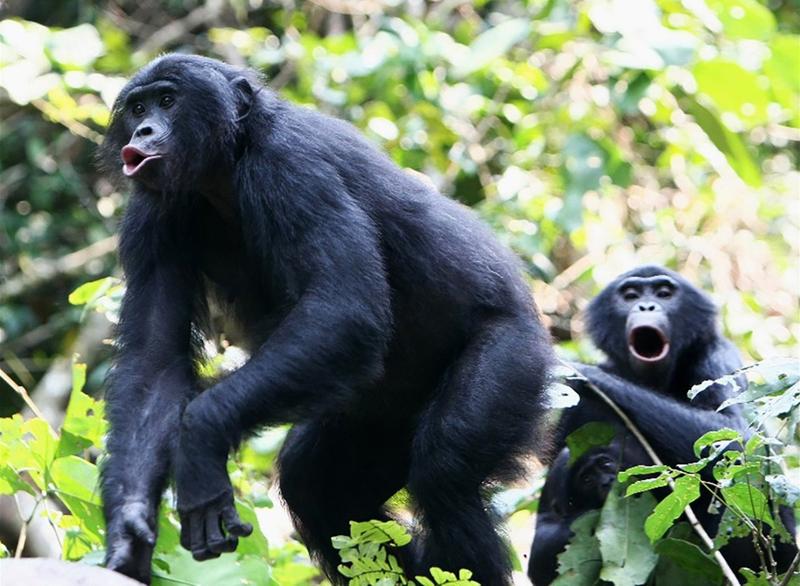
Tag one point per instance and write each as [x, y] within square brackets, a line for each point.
[144, 130]
[647, 307]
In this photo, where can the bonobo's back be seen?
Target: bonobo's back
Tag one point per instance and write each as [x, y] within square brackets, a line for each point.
[430, 241]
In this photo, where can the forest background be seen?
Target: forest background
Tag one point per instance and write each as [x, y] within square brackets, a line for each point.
[593, 135]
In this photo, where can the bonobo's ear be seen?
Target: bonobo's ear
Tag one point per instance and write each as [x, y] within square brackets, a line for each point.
[244, 96]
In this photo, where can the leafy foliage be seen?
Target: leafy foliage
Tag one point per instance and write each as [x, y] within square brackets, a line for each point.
[367, 560]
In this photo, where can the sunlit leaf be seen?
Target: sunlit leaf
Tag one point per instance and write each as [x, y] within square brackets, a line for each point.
[685, 491]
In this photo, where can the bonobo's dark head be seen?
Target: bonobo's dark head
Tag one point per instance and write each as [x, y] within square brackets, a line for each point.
[177, 122]
[591, 477]
[646, 318]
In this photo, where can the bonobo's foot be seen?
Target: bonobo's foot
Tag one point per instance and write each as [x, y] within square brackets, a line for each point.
[130, 540]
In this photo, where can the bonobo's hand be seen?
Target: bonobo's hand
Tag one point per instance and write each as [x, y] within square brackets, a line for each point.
[576, 376]
[584, 372]
[130, 540]
[212, 528]
[210, 524]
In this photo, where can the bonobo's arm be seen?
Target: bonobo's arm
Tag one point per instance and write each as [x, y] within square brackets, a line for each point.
[671, 423]
[552, 523]
[330, 343]
[551, 538]
[149, 386]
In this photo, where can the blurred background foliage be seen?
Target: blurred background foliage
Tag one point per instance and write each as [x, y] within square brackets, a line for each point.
[593, 135]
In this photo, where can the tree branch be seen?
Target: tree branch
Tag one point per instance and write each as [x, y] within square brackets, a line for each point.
[42, 270]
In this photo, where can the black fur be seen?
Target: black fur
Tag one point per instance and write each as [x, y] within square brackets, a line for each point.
[653, 394]
[384, 321]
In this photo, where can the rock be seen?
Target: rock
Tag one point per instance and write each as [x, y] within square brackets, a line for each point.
[49, 572]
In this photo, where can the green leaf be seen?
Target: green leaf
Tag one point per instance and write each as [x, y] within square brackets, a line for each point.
[84, 423]
[744, 19]
[492, 44]
[230, 569]
[785, 488]
[691, 558]
[579, 564]
[41, 448]
[722, 435]
[76, 477]
[587, 437]
[76, 483]
[641, 469]
[741, 105]
[256, 543]
[752, 578]
[91, 290]
[685, 491]
[379, 532]
[11, 483]
[646, 485]
[748, 500]
[782, 68]
[628, 557]
[730, 143]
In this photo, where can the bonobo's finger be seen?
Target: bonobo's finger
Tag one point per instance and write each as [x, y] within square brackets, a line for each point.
[137, 526]
[120, 556]
[197, 536]
[231, 543]
[233, 524]
[186, 540]
[215, 540]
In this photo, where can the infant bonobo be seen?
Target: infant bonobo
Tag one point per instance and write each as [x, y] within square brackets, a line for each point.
[660, 338]
[383, 320]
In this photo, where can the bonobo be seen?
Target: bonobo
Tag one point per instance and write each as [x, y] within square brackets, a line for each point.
[660, 338]
[571, 490]
[382, 319]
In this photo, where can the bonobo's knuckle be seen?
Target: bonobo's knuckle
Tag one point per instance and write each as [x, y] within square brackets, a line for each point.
[188, 507]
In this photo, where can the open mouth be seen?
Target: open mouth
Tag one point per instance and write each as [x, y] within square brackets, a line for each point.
[134, 160]
[648, 344]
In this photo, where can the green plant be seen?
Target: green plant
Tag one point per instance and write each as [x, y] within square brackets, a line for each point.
[368, 560]
[634, 540]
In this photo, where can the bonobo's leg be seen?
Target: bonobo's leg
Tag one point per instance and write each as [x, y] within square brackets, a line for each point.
[481, 420]
[331, 473]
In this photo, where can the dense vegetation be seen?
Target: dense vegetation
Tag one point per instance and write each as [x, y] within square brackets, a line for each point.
[593, 135]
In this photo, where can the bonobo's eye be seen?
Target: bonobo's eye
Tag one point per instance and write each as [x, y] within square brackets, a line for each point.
[166, 101]
[138, 109]
[606, 464]
[664, 293]
[630, 294]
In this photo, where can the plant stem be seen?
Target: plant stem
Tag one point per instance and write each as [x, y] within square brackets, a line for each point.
[20, 390]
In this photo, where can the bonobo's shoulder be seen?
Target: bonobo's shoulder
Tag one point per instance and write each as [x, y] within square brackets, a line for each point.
[322, 127]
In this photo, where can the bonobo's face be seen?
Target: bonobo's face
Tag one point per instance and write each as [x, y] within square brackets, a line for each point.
[176, 125]
[591, 478]
[149, 115]
[646, 304]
